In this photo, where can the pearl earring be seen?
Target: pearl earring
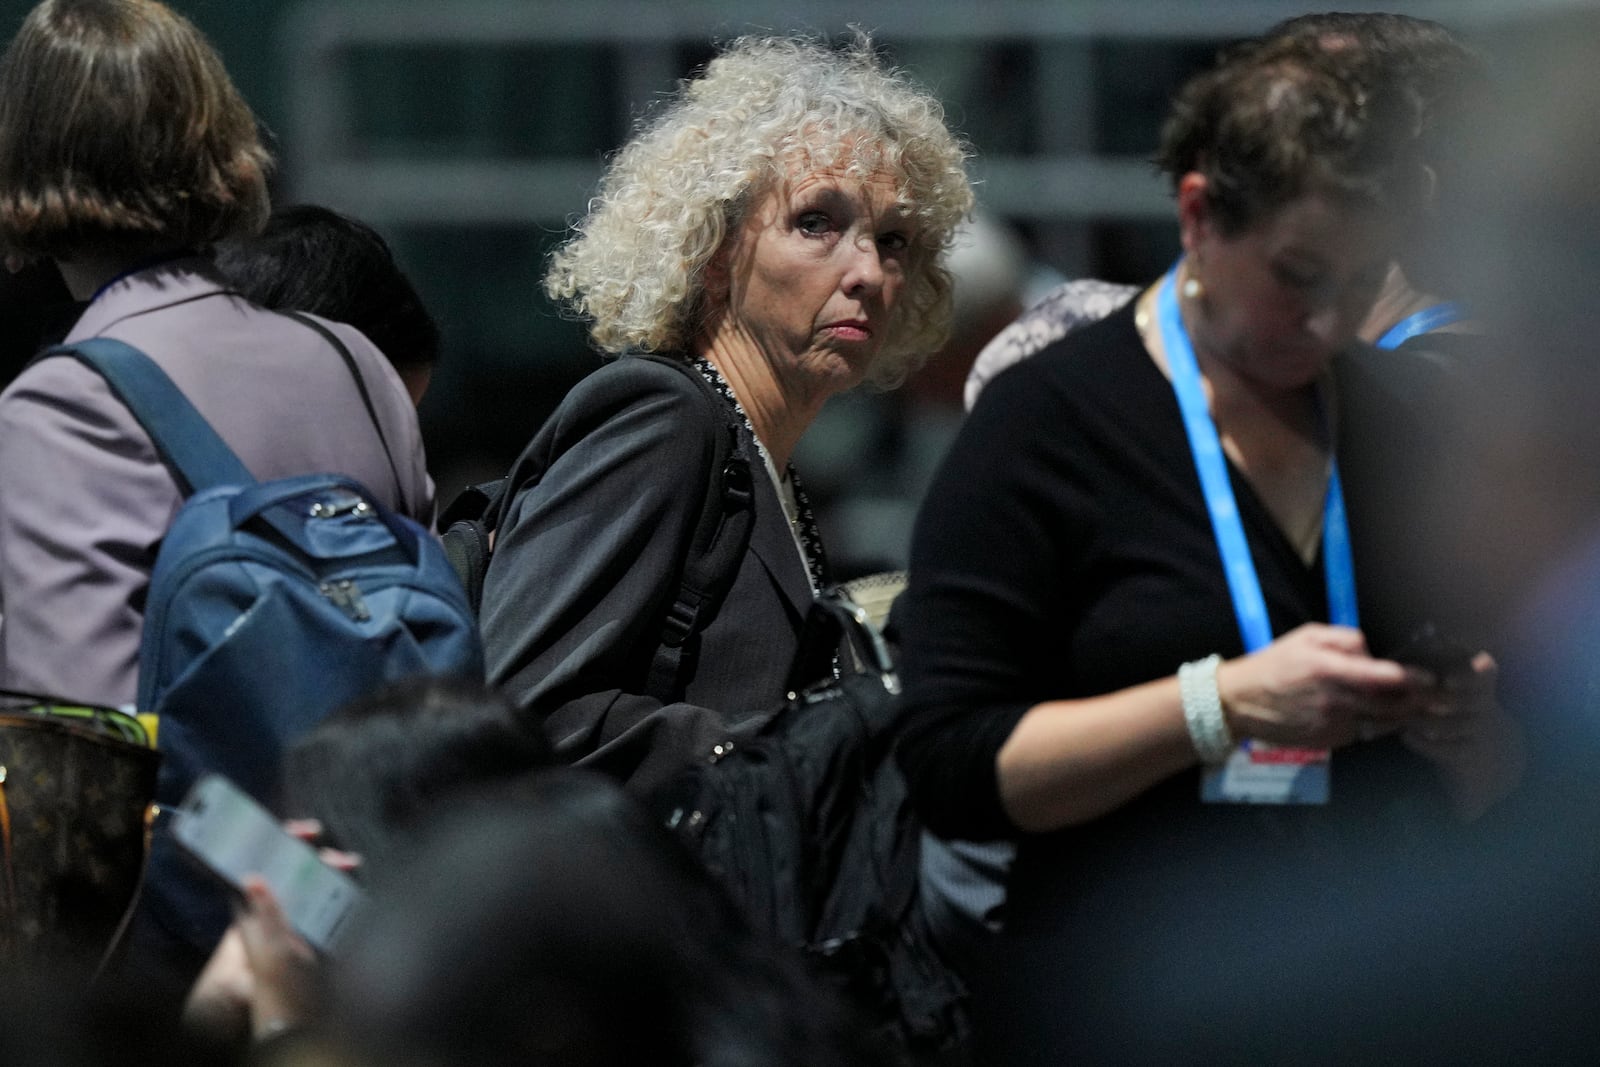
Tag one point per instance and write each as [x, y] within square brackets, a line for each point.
[1192, 289]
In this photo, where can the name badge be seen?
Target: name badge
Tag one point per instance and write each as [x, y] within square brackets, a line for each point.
[1259, 773]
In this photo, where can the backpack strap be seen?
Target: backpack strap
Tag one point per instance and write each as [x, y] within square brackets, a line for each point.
[721, 536]
[191, 449]
[366, 397]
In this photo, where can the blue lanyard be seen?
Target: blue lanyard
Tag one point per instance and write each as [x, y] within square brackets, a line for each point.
[1425, 321]
[1249, 605]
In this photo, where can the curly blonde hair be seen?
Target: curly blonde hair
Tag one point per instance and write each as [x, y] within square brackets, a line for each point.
[763, 109]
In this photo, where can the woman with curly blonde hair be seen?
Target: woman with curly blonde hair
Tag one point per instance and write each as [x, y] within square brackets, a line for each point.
[772, 237]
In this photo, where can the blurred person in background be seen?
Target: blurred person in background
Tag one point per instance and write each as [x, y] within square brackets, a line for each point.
[1066, 307]
[1163, 491]
[1448, 79]
[780, 226]
[311, 258]
[1447, 76]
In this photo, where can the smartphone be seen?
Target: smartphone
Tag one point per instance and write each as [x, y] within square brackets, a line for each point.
[234, 837]
[1432, 651]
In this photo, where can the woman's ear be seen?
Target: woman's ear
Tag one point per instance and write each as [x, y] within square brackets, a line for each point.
[714, 280]
[712, 303]
[1194, 210]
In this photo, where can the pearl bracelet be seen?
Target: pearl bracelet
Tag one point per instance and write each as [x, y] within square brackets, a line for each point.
[1202, 710]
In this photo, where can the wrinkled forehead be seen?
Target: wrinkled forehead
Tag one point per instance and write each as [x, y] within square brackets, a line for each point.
[853, 158]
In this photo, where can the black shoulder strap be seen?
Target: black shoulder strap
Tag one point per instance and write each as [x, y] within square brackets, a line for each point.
[366, 398]
[721, 536]
[466, 528]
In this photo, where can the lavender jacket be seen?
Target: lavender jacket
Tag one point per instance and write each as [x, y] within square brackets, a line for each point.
[85, 500]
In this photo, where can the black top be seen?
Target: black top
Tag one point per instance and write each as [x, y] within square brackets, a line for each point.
[1066, 552]
[589, 558]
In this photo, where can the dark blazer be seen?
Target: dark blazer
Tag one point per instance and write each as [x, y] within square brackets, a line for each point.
[589, 557]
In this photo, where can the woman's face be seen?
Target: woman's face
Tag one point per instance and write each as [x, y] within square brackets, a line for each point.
[1280, 298]
[812, 277]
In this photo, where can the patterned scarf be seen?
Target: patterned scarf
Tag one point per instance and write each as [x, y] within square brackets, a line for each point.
[805, 523]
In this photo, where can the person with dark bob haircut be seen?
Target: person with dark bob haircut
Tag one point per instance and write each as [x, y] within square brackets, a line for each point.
[125, 153]
[311, 258]
[1162, 689]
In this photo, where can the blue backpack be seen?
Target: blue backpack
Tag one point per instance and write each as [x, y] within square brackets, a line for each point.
[271, 604]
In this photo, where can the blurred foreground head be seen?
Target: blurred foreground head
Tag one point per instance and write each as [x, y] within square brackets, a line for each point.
[556, 923]
[377, 768]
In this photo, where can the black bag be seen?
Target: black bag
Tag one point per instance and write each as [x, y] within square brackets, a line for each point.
[809, 827]
[722, 533]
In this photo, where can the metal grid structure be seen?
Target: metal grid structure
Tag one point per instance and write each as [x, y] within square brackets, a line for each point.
[1065, 181]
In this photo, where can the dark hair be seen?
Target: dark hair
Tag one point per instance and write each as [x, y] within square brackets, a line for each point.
[1447, 75]
[556, 923]
[309, 258]
[1271, 123]
[376, 766]
[120, 129]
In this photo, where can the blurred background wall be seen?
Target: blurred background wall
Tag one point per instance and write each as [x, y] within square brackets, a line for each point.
[470, 131]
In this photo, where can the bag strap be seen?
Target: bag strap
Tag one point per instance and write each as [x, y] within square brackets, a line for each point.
[836, 621]
[366, 397]
[194, 452]
[191, 449]
[722, 533]
[183, 438]
[466, 528]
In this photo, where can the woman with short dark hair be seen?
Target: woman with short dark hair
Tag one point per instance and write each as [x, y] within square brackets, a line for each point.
[1132, 634]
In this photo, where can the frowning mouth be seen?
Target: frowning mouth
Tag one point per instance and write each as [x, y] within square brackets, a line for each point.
[849, 330]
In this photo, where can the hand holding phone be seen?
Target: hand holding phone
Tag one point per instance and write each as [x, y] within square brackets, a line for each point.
[234, 837]
[1431, 650]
